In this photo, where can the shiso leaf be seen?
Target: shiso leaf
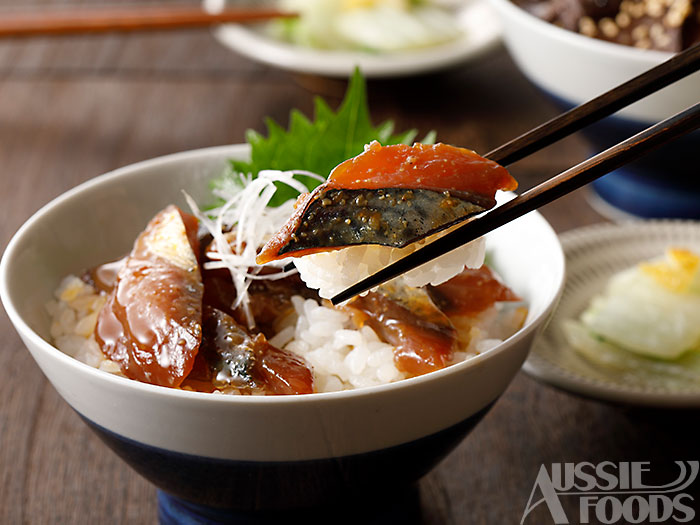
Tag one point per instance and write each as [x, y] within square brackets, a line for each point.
[316, 146]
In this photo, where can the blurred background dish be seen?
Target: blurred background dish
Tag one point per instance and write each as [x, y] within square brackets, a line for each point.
[593, 255]
[474, 29]
[572, 68]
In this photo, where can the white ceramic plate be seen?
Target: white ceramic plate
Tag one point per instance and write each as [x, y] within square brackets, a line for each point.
[593, 255]
[481, 27]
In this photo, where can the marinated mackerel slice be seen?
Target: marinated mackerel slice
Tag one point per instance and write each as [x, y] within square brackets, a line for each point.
[104, 276]
[151, 323]
[423, 336]
[391, 217]
[392, 196]
[230, 358]
[470, 292]
[469, 300]
[268, 299]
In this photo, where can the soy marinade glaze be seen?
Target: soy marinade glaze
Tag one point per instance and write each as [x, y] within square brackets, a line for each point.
[157, 326]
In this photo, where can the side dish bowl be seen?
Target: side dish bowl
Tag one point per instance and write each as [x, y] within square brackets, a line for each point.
[253, 452]
[573, 68]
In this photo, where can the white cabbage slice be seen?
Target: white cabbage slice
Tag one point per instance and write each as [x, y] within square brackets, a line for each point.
[638, 314]
[610, 358]
[386, 28]
[368, 25]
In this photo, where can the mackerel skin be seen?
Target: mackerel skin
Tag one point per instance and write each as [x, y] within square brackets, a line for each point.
[391, 196]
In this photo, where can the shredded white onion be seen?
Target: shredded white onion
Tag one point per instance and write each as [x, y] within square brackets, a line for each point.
[248, 217]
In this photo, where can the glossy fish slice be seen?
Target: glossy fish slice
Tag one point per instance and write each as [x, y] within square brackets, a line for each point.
[471, 292]
[391, 196]
[151, 323]
[423, 337]
[478, 303]
[230, 357]
[268, 299]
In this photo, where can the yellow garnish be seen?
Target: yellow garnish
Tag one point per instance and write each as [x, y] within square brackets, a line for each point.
[679, 272]
[349, 5]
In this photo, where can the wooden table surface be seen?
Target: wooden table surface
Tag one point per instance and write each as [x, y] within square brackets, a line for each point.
[75, 107]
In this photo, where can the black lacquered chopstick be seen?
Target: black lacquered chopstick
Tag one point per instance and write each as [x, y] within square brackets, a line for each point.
[675, 68]
[544, 193]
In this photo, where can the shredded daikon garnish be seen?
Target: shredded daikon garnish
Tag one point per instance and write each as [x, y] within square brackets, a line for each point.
[247, 218]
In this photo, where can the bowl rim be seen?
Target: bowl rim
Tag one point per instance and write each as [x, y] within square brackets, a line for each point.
[340, 63]
[619, 51]
[134, 170]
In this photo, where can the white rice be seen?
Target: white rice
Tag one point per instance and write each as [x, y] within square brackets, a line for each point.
[74, 315]
[340, 355]
[334, 271]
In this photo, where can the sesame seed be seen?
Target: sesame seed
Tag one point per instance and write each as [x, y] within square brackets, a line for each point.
[664, 41]
[673, 19]
[623, 20]
[640, 32]
[636, 10]
[608, 27]
[654, 8]
[586, 26]
[643, 43]
[656, 31]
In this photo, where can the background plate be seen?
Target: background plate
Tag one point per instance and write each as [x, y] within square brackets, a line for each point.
[482, 31]
[593, 255]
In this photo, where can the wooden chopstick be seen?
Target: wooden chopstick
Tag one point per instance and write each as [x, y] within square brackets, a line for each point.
[656, 78]
[136, 18]
[544, 193]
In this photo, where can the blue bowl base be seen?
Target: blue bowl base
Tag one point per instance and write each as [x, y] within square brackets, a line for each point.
[626, 192]
[663, 183]
[399, 506]
[199, 484]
